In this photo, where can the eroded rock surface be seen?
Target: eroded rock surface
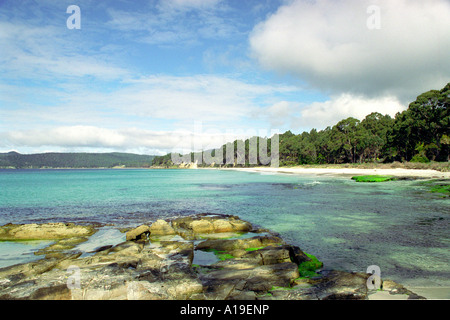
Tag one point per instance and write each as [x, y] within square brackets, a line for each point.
[159, 260]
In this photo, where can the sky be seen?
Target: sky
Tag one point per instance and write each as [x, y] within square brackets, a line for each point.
[158, 76]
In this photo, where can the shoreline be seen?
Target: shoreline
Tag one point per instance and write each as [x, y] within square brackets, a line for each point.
[331, 172]
[343, 172]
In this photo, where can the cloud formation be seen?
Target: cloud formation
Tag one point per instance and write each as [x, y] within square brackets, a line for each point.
[328, 44]
[319, 115]
[88, 138]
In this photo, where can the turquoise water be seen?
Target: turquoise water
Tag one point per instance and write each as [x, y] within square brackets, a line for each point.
[396, 225]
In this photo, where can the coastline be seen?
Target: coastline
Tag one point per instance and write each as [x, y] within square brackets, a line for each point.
[342, 172]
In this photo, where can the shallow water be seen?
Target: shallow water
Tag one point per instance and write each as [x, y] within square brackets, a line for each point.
[15, 252]
[396, 225]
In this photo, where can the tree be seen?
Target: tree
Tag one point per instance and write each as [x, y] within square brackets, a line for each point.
[378, 127]
[425, 121]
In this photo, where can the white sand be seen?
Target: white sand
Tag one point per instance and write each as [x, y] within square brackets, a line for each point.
[351, 171]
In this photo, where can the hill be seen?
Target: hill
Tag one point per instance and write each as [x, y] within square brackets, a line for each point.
[74, 160]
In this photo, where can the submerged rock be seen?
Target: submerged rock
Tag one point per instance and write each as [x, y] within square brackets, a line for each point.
[256, 267]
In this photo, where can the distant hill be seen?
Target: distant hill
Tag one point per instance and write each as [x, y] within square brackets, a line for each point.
[74, 160]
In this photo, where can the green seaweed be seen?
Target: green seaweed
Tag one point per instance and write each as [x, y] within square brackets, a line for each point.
[441, 188]
[308, 269]
[373, 178]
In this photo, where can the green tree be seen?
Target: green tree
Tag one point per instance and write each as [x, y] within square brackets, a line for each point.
[425, 121]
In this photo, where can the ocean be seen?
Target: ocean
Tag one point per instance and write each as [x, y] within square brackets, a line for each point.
[398, 225]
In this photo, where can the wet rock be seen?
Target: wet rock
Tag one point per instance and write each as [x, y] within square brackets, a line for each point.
[56, 249]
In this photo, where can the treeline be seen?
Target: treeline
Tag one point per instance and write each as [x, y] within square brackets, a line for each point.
[419, 134]
[249, 152]
[74, 160]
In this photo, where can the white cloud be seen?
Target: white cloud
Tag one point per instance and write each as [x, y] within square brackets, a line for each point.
[93, 138]
[198, 97]
[281, 113]
[328, 44]
[138, 114]
[319, 115]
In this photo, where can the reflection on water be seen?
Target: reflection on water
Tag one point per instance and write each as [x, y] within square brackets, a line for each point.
[15, 252]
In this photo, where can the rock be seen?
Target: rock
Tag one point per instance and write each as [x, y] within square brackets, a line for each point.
[48, 231]
[138, 233]
[297, 255]
[161, 228]
[56, 249]
[222, 225]
[343, 285]
[258, 267]
[229, 245]
[193, 226]
[394, 288]
[270, 255]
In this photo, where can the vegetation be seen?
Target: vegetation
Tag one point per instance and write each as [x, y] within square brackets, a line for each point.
[373, 178]
[308, 269]
[74, 160]
[418, 135]
[442, 188]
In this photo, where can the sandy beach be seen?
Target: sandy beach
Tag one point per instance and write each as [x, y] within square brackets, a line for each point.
[399, 172]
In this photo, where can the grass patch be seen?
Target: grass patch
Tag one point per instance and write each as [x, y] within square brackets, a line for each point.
[372, 178]
[308, 269]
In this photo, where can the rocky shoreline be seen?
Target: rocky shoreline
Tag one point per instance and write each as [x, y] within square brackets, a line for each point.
[200, 257]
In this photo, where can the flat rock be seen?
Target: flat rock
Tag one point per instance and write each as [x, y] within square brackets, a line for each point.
[48, 231]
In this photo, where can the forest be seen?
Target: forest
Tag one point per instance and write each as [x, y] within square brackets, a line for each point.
[419, 134]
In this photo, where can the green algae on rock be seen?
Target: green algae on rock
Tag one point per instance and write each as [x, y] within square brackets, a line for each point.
[307, 269]
[441, 188]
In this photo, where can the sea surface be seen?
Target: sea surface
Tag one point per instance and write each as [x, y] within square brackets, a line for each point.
[398, 225]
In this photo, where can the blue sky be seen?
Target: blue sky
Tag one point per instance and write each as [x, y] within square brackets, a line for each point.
[153, 76]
